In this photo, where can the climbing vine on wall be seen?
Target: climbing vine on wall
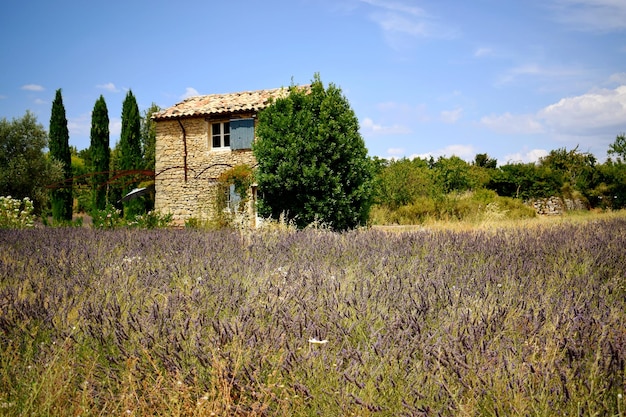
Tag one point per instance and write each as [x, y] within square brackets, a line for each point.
[241, 177]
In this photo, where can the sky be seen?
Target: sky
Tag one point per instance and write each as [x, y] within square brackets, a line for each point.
[513, 79]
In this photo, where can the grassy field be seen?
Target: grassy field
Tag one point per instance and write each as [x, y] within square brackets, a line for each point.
[489, 319]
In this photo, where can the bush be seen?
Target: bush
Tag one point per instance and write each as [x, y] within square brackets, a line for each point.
[476, 206]
[111, 218]
[16, 214]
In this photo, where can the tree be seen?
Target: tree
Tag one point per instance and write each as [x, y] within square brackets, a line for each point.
[100, 154]
[25, 171]
[453, 174]
[62, 199]
[312, 161]
[484, 161]
[573, 169]
[130, 151]
[618, 147]
[403, 181]
[148, 137]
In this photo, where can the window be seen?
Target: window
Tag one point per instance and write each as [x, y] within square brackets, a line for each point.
[220, 135]
[233, 200]
[234, 134]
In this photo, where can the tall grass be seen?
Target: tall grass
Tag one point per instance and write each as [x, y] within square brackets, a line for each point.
[508, 321]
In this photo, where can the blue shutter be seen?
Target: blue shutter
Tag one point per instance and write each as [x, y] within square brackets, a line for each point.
[241, 133]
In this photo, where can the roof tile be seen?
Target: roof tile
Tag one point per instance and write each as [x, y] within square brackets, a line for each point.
[221, 103]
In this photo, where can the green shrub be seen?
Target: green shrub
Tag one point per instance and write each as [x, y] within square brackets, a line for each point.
[111, 218]
[476, 206]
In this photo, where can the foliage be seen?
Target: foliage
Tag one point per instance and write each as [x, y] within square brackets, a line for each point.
[404, 181]
[312, 161]
[618, 148]
[130, 157]
[610, 189]
[100, 154]
[25, 171]
[184, 322]
[232, 199]
[525, 181]
[81, 181]
[16, 214]
[62, 199]
[574, 170]
[484, 161]
[453, 174]
[111, 218]
[148, 137]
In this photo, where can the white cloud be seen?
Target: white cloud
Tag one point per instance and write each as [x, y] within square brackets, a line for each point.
[593, 112]
[110, 87]
[39, 101]
[451, 116]
[466, 152]
[527, 156]
[396, 6]
[591, 15]
[535, 70]
[395, 152]
[3, 97]
[480, 52]
[369, 128]
[589, 120]
[512, 124]
[189, 92]
[618, 78]
[401, 21]
[79, 126]
[32, 87]
[115, 128]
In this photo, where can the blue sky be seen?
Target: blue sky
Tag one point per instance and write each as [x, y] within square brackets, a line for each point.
[510, 78]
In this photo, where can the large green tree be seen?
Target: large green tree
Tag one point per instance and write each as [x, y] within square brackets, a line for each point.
[100, 154]
[312, 160]
[25, 170]
[130, 158]
[60, 150]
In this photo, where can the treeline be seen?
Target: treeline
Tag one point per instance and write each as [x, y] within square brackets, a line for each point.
[410, 191]
[60, 180]
[405, 191]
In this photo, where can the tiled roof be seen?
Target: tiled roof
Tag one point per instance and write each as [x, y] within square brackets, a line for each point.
[221, 103]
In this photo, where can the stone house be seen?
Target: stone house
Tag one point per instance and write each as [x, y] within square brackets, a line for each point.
[199, 139]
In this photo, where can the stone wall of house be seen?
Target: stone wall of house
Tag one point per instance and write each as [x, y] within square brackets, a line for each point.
[555, 206]
[195, 195]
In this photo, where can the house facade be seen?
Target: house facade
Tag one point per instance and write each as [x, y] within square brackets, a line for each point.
[199, 139]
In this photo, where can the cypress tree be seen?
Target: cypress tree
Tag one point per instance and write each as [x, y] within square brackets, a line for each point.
[60, 150]
[130, 150]
[100, 153]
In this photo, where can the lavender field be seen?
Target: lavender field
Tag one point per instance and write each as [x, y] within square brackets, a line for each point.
[313, 323]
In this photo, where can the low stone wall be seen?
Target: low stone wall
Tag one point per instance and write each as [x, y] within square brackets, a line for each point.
[555, 206]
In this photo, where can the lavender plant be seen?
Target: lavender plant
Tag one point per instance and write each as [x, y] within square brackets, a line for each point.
[186, 322]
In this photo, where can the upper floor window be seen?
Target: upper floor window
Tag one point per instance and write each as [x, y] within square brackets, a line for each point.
[220, 135]
[235, 134]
